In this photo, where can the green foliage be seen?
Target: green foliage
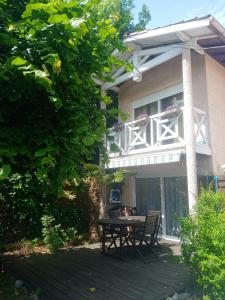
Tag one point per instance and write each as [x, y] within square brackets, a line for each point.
[203, 243]
[23, 201]
[54, 236]
[50, 117]
[126, 21]
[51, 233]
[95, 171]
[7, 288]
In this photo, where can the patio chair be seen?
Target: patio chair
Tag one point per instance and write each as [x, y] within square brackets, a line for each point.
[147, 233]
[158, 224]
[114, 231]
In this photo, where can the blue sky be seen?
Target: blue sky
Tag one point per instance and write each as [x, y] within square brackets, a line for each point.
[165, 12]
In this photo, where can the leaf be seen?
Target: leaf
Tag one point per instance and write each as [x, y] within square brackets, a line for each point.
[4, 171]
[41, 152]
[92, 289]
[54, 19]
[18, 61]
[57, 66]
[88, 140]
[48, 160]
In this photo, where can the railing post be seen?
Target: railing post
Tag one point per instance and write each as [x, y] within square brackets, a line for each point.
[189, 129]
[152, 132]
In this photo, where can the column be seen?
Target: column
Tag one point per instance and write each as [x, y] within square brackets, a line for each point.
[189, 129]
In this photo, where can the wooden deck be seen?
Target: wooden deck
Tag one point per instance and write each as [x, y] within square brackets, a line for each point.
[68, 274]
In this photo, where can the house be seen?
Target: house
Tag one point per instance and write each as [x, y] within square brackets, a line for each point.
[174, 138]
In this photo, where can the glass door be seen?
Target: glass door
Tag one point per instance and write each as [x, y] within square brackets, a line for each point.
[176, 202]
[148, 195]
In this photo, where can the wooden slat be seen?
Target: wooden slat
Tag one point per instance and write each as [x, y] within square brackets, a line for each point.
[68, 274]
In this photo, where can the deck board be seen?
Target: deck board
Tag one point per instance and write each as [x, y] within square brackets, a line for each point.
[68, 274]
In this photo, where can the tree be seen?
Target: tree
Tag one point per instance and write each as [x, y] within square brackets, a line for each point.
[50, 116]
[126, 23]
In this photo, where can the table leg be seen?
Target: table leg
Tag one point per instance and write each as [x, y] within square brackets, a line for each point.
[121, 241]
[103, 239]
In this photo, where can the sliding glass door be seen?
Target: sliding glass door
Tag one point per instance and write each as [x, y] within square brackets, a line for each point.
[148, 196]
[168, 194]
[176, 202]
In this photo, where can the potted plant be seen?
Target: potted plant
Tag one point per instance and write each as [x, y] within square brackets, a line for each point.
[142, 119]
[118, 126]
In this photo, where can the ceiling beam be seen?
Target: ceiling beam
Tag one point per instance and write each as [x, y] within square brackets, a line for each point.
[145, 67]
[183, 36]
[158, 50]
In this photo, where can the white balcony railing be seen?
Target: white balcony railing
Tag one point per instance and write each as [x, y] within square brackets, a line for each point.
[163, 130]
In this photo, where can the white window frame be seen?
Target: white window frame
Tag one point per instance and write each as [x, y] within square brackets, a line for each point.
[156, 97]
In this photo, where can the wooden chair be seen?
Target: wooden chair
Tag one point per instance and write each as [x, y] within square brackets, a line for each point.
[115, 231]
[112, 231]
[146, 234]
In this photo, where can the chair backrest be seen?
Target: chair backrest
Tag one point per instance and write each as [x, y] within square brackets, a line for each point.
[115, 213]
[151, 222]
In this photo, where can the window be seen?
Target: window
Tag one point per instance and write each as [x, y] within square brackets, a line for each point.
[172, 101]
[115, 196]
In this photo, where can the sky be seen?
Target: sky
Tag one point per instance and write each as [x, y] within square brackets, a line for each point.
[166, 12]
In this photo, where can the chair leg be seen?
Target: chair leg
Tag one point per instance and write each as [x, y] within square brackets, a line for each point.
[113, 242]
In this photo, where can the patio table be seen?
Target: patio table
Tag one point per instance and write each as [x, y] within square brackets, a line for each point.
[119, 223]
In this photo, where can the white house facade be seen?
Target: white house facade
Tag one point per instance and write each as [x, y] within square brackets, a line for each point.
[174, 139]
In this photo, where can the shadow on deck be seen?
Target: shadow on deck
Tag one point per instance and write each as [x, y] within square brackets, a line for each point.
[68, 274]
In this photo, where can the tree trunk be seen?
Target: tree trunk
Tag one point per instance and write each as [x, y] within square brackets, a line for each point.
[95, 208]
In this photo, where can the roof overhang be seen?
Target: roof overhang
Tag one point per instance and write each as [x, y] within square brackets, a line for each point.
[152, 47]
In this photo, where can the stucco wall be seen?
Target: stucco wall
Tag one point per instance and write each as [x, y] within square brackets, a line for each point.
[199, 87]
[215, 77]
[128, 191]
[154, 80]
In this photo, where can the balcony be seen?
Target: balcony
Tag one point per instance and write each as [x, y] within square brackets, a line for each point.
[156, 133]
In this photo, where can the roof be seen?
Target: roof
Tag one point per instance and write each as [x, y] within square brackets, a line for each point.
[206, 30]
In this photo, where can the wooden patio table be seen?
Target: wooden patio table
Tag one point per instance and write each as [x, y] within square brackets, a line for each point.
[120, 223]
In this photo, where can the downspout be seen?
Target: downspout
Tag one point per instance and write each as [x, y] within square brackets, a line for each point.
[215, 179]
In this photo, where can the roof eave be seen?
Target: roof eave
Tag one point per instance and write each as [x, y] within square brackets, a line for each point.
[170, 29]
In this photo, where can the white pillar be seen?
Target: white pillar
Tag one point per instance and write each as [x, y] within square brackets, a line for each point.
[189, 129]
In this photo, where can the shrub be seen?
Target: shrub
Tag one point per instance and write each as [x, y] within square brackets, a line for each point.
[203, 243]
[24, 200]
[51, 233]
[54, 236]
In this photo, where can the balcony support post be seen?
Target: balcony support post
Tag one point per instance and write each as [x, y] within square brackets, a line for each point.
[189, 133]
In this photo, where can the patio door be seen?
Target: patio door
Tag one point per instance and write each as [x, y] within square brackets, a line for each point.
[176, 203]
[168, 194]
[148, 195]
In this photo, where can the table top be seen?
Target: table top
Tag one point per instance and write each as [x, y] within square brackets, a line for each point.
[126, 221]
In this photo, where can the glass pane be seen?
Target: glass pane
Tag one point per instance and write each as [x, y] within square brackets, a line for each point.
[176, 202]
[172, 101]
[149, 109]
[148, 196]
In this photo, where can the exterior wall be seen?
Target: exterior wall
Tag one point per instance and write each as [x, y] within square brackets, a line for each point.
[199, 87]
[128, 191]
[154, 80]
[215, 77]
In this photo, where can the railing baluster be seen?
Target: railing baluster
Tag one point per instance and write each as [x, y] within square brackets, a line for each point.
[159, 130]
[152, 132]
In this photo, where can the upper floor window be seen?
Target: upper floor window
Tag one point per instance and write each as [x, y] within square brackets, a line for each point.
[160, 105]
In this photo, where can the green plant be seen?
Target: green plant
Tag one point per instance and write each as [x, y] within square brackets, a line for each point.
[8, 290]
[52, 52]
[52, 236]
[70, 235]
[203, 243]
